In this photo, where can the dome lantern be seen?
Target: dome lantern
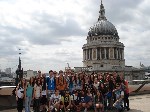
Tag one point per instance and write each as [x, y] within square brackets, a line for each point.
[102, 12]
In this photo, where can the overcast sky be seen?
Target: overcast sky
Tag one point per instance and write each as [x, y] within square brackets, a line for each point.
[51, 33]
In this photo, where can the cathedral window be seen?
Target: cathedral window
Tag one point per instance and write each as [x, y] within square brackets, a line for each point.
[87, 53]
[90, 54]
[107, 53]
[115, 53]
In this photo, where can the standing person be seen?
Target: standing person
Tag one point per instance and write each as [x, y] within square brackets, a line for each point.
[96, 84]
[77, 82]
[20, 95]
[34, 85]
[28, 95]
[36, 95]
[111, 88]
[91, 78]
[44, 94]
[39, 74]
[67, 76]
[61, 82]
[86, 83]
[126, 95]
[50, 85]
[71, 83]
[103, 89]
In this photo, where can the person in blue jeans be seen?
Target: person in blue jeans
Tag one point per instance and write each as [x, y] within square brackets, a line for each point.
[51, 84]
[28, 95]
[119, 97]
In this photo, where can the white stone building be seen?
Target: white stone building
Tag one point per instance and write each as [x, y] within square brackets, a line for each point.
[8, 70]
[103, 51]
[29, 73]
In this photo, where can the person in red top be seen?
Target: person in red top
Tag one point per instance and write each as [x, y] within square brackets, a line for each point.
[126, 95]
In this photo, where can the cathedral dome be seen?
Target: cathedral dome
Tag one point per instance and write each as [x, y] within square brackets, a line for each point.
[103, 27]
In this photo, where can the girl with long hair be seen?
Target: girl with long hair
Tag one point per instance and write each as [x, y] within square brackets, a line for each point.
[28, 94]
[37, 95]
[98, 100]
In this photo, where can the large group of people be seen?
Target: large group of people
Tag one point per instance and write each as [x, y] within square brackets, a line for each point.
[69, 91]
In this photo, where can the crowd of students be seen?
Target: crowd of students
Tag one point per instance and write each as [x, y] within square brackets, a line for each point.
[69, 91]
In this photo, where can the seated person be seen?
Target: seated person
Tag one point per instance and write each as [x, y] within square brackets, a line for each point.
[82, 98]
[119, 97]
[55, 101]
[98, 100]
[75, 100]
[66, 101]
[86, 99]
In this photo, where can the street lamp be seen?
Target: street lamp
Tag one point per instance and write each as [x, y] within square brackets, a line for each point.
[19, 71]
[68, 65]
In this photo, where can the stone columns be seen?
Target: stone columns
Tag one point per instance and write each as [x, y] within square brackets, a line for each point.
[109, 53]
[84, 55]
[100, 53]
[113, 56]
[89, 54]
[122, 54]
[117, 53]
[105, 52]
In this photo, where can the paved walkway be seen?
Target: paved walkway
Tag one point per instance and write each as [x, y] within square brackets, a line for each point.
[137, 104]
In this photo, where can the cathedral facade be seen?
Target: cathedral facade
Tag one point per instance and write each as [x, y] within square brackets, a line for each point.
[103, 50]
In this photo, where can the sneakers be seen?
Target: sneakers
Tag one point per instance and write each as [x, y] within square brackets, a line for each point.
[128, 109]
[85, 110]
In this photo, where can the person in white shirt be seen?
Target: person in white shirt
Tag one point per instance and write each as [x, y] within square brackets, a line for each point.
[96, 84]
[20, 95]
[55, 101]
[37, 94]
